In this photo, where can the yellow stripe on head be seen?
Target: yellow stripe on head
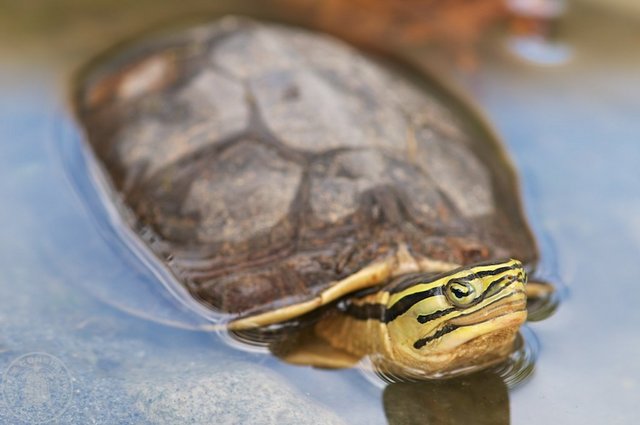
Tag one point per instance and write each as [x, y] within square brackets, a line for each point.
[431, 284]
[428, 319]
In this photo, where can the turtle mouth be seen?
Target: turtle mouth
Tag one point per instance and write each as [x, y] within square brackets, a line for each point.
[515, 302]
[505, 313]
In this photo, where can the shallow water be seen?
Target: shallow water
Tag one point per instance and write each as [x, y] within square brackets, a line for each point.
[572, 130]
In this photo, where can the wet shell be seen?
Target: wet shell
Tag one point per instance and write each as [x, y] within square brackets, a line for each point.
[264, 163]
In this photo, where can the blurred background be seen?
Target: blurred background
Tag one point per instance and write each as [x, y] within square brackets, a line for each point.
[558, 80]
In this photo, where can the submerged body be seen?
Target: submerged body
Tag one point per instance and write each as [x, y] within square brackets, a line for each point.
[276, 171]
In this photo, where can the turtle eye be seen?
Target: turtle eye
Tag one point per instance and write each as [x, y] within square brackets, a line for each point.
[461, 293]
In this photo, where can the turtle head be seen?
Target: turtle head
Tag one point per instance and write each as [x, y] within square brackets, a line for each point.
[458, 321]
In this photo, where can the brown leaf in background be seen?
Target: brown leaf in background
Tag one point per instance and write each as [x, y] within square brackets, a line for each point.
[401, 23]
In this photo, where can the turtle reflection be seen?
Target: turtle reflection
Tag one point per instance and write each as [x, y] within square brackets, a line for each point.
[478, 399]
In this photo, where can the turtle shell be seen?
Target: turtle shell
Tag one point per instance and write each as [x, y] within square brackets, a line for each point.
[263, 163]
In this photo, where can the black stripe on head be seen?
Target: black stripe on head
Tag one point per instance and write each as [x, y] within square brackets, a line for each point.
[485, 273]
[424, 318]
[379, 311]
[403, 283]
[441, 332]
[445, 330]
[491, 291]
[365, 311]
[405, 303]
[450, 327]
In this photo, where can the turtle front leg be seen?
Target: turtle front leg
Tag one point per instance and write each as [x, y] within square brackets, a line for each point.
[542, 300]
[306, 348]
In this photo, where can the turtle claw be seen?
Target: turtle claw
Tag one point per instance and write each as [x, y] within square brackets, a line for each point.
[542, 300]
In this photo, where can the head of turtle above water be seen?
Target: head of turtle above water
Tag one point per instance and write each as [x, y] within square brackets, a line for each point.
[420, 325]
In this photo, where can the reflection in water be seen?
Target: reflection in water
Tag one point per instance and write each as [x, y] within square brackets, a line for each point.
[300, 346]
[520, 364]
[477, 399]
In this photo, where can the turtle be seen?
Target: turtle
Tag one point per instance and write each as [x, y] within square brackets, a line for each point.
[286, 179]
